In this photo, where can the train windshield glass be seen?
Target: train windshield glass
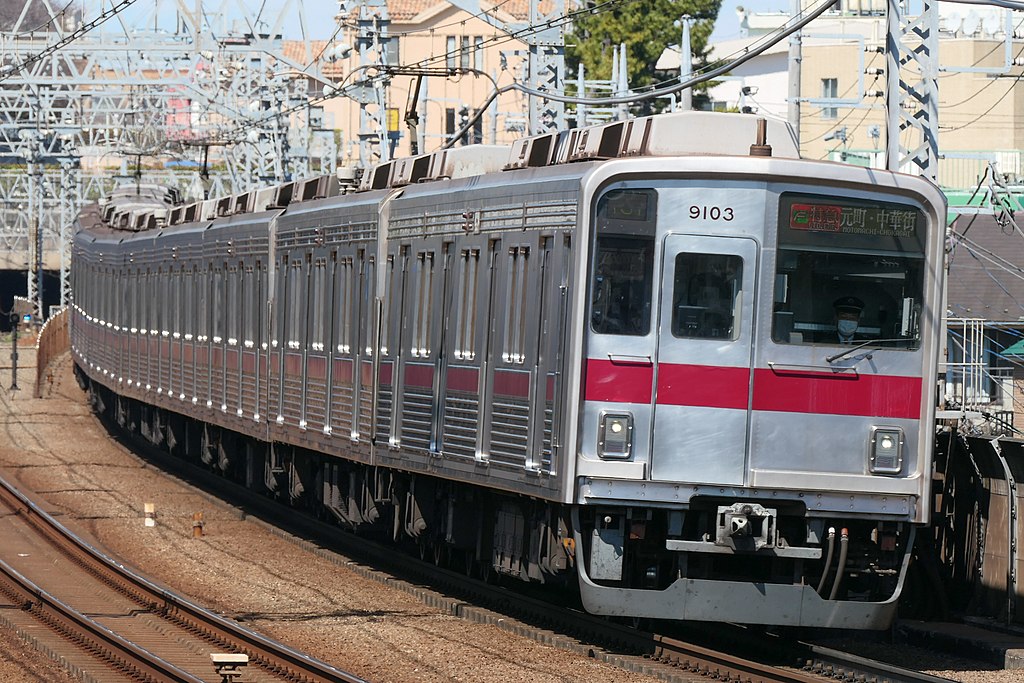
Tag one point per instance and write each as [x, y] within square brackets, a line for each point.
[848, 271]
[623, 267]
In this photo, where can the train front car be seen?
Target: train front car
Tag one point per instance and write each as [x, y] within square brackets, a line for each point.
[760, 342]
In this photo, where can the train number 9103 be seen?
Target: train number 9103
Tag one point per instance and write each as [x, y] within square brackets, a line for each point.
[711, 213]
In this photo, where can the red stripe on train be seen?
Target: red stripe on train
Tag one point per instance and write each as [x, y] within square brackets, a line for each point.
[727, 387]
[708, 386]
[838, 394]
[618, 382]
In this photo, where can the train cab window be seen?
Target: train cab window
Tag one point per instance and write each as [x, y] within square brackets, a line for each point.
[706, 296]
[848, 271]
[622, 279]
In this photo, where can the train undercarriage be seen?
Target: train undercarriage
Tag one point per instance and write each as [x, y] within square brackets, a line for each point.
[627, 553]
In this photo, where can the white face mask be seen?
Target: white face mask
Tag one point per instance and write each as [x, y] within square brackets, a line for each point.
[846, 327]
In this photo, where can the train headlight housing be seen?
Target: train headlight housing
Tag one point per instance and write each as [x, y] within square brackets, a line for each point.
[615, 436]
[886, 450]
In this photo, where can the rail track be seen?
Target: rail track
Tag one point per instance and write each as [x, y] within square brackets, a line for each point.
[119, 625]
[672, 658]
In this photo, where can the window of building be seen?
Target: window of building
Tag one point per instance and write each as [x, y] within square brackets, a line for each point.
[391, 51]
[464, 52]
[449, 123]
[478, 53]
[450, 51]
[829, 90]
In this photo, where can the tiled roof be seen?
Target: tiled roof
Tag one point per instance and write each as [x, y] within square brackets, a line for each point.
[295, 50]
[985, 276]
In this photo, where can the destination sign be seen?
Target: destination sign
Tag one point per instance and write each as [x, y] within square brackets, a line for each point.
[882, 221]
[626, 206]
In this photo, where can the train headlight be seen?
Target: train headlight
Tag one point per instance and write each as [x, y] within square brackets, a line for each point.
[615, 437]
[886, 450]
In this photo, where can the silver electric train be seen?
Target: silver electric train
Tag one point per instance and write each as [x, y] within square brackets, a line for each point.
[664, 360]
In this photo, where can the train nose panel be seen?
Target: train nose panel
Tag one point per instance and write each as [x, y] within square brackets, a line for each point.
[702, 390]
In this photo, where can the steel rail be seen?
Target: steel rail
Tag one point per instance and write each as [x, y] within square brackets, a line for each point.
[71, 623]
[262, 651]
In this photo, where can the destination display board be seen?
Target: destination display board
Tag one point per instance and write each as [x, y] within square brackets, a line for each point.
[849, 222]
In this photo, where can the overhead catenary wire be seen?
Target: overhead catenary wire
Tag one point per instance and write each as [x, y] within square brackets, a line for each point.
[10, 70]
[747, 55]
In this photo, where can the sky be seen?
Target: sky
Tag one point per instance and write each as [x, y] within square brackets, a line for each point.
[728, 26]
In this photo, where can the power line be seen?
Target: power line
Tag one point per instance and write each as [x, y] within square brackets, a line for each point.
[11, 69]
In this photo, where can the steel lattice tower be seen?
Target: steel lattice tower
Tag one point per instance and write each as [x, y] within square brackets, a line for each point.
[177, 81]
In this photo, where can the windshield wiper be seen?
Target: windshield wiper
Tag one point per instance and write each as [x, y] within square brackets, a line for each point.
[861, 345]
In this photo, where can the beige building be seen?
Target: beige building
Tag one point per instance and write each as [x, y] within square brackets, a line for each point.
[981, 113]
[466, 59]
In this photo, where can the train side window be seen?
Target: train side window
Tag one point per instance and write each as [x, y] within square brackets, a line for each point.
[706, 296]
[465, 323]
[189, 284]
[295, 305]
[231, 305]
[318, 280]
[217, 307]
[248, 301]
[176, 303]
[385, 317]
[369, 282]
[343, 305]
[424, 279]
[514, 350]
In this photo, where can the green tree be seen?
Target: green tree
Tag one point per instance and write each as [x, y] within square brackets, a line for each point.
[647, 27]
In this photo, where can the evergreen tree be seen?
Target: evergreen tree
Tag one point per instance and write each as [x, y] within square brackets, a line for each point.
[647, 27]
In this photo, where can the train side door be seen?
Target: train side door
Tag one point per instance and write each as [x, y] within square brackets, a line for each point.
[705, 337]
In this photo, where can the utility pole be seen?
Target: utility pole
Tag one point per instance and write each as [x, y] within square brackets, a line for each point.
[685, 65]
[15, 318]
[795, 62]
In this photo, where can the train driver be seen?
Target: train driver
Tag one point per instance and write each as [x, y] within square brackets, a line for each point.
[848, 310]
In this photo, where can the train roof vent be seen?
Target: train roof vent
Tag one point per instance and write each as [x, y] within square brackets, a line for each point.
[327, 185]
[410, 170]
[531, 152]
[283, 194]
[177, 213]
[565, 142]
[263, 199]
[701, 132]
[224, 206]
[208, 210]
[466, 162]
[191, 212]
[241, 202]
[317, 187]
